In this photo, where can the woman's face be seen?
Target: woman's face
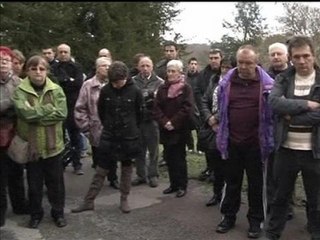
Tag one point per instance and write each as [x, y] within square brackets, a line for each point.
[5, 63]
[173, 73]
[37, 74]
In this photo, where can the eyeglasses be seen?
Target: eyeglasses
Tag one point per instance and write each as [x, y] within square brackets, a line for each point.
[5, 60]
[41, 69]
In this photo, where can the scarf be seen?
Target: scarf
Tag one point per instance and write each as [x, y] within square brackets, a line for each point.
[50, 132]
[175, 87]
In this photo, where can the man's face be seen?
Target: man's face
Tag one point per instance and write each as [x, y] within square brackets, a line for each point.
[278, 58]
[193, 66]
[64, 53]
[48, 54]
[247, 63]
[145, 67]
[214, 60]
[303, 60]
[170, 52]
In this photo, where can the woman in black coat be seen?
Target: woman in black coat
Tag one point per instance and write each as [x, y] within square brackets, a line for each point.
[174, 104]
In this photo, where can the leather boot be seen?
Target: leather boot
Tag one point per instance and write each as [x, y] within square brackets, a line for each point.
[94, 189]
[125, 185]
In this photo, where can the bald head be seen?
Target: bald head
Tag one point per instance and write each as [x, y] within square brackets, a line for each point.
[64, 52]
[145, 66]
[104, 52]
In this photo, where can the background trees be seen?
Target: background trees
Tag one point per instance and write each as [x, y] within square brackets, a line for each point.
[124, 28]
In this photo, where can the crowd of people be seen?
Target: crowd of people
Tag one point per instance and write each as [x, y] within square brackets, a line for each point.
[265, 123]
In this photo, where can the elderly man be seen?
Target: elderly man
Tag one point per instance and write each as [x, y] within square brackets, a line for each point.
[295, 98]
[149, 83]
[244, 137]
[70, 77]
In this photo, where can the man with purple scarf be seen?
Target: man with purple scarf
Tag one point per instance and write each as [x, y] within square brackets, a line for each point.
[244, 137]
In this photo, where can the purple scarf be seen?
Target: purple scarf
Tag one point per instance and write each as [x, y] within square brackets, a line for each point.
[175, 87]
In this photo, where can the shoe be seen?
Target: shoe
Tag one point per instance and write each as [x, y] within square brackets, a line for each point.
[34, 223]
[216, 199]
[204, 175]
[290, 214]
[169, 190]
[83, 207]
[60, 222]
[153, 182]
[78, 171]
[115, 184]
[225, 225]
[181, 193]
[138, 181]
[162, 163]
[254, 231]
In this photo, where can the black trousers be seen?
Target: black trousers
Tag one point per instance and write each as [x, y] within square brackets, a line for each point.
[175, 156]
[288, 163]
[218, 170]
[243, 158]
[49, 172]
[112, 174]
[12, 181]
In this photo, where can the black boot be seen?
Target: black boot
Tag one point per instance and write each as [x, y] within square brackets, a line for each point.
[216, 199]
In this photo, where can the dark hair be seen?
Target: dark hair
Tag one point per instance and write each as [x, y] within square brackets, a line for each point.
[231, 60]
[136, 59]
[118, 71]
[215, 51]
[192, 59]
[300, 41]
[171, 43]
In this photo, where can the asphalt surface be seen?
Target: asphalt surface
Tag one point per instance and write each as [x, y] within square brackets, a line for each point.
[154, 216]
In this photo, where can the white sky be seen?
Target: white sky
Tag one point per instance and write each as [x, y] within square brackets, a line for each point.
[200, 22]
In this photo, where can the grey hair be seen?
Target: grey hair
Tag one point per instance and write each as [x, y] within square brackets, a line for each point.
[100, 60]
[281, 46]
[176, 64]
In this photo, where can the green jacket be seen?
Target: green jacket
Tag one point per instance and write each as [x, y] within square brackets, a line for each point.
[41, 115]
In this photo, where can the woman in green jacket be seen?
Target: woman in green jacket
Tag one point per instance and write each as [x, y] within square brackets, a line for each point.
[41, 109]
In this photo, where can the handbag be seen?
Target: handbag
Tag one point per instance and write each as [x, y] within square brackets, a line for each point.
[206, 138]
[18, 150]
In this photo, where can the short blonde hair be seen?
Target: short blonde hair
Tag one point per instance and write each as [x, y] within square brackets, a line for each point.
[176, 64]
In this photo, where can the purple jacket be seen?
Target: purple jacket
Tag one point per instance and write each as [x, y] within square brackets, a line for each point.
[265, 118]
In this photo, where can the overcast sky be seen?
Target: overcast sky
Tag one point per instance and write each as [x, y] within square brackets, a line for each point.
[200, 22]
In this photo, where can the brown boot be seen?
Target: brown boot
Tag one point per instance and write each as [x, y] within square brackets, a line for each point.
[125, 186]
[94, 189]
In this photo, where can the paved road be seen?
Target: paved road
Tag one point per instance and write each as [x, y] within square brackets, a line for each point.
[154, 216]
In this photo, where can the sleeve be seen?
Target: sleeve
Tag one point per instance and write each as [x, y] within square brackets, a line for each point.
[81, 110]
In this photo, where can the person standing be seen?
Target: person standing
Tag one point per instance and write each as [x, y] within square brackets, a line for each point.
[211, 71]
[295, 98]
[11, 173]
[41, 108]
[173, 108]
[149, 83]
[120, 111]
[244, 137]
[70, 78]
[86, 112]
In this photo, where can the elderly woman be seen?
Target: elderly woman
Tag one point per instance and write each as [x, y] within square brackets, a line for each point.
[174, 104]
[11, 173]
[41, 108]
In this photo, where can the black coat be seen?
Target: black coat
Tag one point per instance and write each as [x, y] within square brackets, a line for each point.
[120, 112]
